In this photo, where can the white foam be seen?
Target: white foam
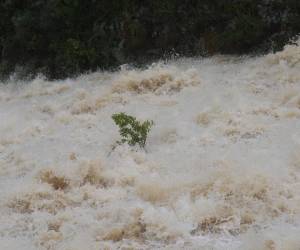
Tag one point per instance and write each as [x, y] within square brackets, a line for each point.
[221, 169]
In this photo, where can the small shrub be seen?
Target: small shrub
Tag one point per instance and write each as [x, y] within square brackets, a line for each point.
[132, 131]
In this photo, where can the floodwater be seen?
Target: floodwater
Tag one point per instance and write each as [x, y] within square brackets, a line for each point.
[221, 168]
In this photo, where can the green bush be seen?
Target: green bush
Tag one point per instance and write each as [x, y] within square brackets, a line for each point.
[132, 131]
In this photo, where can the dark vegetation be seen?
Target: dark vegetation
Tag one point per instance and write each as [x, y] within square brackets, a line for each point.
[61, 38]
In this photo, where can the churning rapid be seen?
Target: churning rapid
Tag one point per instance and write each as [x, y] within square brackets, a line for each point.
[221, 169]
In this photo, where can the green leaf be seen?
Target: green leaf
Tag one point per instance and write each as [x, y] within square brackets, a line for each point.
[131, 130]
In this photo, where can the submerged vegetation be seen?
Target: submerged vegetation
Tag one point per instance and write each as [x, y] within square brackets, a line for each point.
[131, 130]
[57, 39]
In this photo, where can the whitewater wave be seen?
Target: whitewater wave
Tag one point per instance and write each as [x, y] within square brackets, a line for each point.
[221, 168]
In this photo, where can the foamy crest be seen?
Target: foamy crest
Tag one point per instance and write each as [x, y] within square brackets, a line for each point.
[157, 79]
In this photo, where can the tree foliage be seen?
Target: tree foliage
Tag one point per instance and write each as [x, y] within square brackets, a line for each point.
[132, 131]
[61, 38]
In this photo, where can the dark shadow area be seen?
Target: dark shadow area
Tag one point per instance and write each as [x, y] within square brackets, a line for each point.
[61, 38]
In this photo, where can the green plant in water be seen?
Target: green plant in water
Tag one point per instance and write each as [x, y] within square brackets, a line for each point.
[131, 130]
